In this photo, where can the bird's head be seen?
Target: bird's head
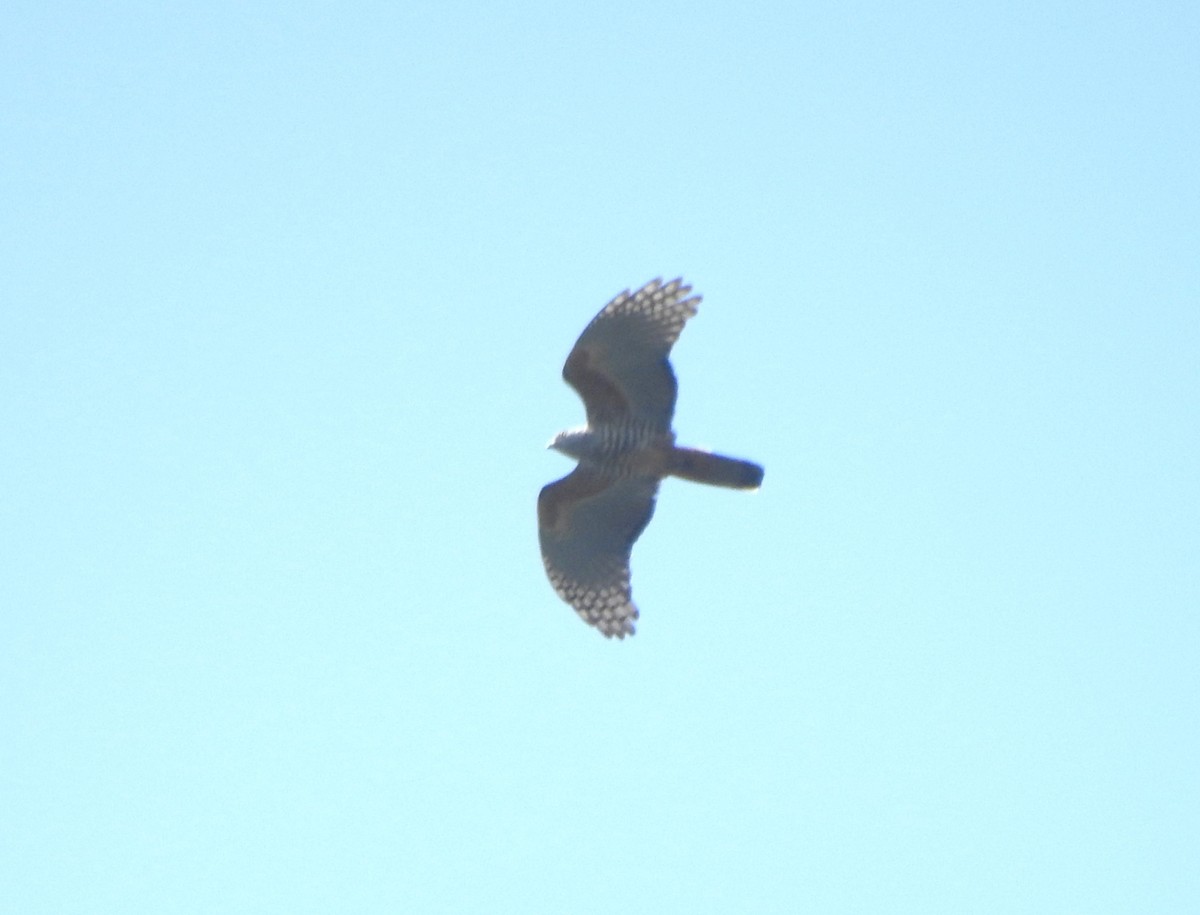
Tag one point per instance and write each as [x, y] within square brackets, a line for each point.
[576, 443]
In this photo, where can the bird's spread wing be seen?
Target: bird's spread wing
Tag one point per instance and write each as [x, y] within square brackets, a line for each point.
[587, 524]
[619, 364]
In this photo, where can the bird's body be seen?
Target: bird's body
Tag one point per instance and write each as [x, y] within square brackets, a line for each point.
[588, 521]
[618, 450]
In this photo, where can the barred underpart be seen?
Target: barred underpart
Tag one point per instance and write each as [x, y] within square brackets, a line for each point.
[623, 449]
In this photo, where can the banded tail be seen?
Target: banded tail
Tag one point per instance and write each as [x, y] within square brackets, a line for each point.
[715, 469]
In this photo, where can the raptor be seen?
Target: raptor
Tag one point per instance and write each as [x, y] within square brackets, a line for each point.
[589, 520]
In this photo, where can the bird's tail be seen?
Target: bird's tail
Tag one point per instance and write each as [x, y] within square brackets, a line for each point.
[715, 469]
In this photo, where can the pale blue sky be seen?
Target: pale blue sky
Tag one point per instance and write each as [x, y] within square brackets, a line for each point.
[285, 291]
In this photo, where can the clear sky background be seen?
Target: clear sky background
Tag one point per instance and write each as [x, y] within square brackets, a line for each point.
[285, 291]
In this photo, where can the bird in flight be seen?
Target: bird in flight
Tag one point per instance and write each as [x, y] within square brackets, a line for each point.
[588, 521]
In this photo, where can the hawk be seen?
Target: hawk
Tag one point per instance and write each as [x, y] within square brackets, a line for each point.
[588, 521]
